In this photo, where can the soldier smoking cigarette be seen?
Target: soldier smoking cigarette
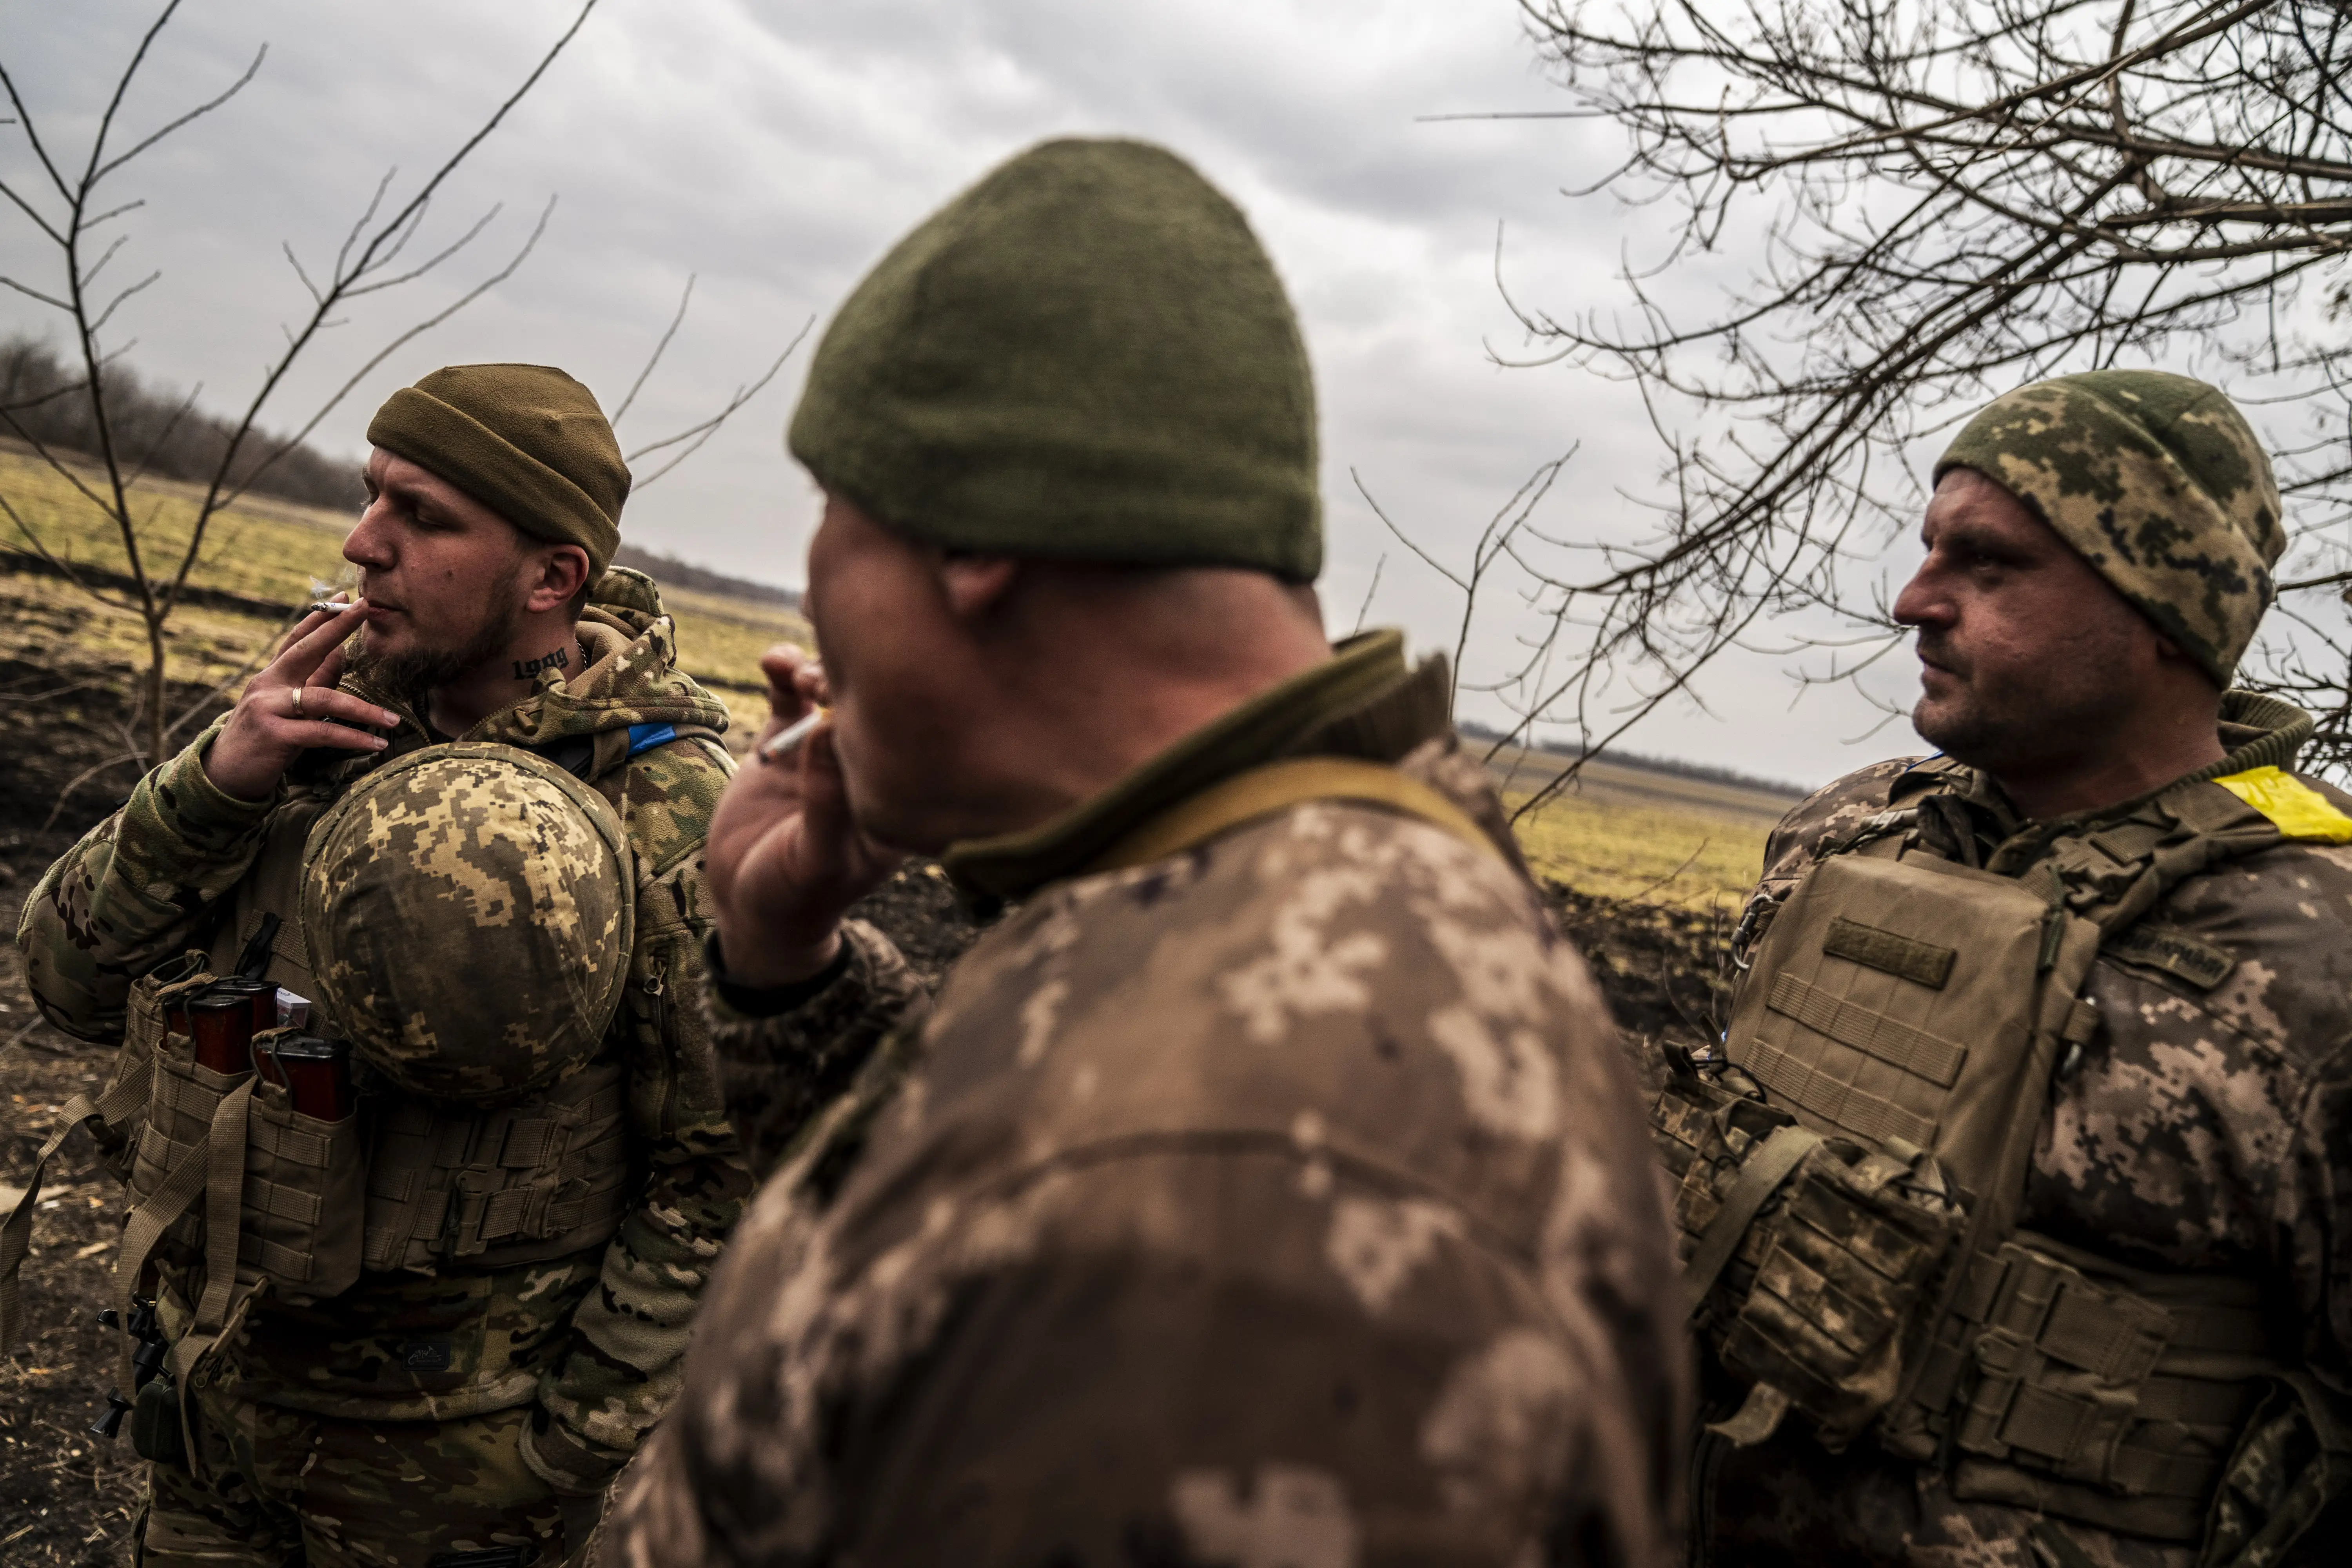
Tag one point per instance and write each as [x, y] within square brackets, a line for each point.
[787, 740]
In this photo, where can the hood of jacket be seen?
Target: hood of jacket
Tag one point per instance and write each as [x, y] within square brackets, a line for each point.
[629, 679]
[628, 676]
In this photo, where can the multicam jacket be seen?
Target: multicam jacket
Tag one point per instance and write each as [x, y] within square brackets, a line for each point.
[597, 1338]
[2206, 1129]
[1279, 1200]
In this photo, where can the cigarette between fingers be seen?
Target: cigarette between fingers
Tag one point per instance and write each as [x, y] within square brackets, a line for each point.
[787, 740]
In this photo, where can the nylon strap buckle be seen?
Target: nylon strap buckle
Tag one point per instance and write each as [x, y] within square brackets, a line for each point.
[2060, 1365]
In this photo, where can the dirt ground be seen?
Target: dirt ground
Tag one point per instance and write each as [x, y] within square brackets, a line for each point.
[65, 1499]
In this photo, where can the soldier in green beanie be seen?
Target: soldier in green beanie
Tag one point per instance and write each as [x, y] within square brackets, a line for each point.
[430, 1331]
[2019, 1197]
[1266, 1187]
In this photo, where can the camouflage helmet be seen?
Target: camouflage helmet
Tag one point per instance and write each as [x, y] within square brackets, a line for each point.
[470, 911]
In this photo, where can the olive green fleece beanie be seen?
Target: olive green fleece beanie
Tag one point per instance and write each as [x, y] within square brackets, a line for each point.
[1086, 356]
[525, 441]
[2159, 482]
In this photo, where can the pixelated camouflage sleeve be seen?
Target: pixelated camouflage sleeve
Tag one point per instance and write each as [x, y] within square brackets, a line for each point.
[779, 1071]
[630, 1332]
[134, 893]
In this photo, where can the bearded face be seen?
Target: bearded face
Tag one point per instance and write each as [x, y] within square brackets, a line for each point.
[2028, 656]
[443, 575]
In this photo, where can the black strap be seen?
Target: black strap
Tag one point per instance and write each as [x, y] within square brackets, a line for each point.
[575, 756]
[254, 958]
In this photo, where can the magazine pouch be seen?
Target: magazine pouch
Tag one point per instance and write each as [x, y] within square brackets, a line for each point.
[301, 1210]
[1807, 1257]
[168, 1164]
[123, 1105]
[115, 1120]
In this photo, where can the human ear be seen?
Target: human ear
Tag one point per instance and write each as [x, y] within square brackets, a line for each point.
[562, 573]
[974, 585]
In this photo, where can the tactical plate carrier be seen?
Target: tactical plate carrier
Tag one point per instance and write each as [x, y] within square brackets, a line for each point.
[239, 1194]
[1851, 1166]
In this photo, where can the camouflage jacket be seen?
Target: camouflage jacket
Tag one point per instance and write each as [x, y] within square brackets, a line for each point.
[597, 1338]
[1282, 1201]
[2207, 1128]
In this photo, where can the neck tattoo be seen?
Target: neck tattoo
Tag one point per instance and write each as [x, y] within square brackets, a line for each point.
[525, 668]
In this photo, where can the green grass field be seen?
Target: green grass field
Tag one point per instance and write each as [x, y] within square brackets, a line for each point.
[1624, 834]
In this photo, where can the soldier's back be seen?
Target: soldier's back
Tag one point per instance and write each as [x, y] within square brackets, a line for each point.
[1283, 1201]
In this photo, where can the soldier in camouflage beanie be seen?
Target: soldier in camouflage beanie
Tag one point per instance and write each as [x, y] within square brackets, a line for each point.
[1087, 356]
[525, 441]
[2099, 552]
[2159, 482]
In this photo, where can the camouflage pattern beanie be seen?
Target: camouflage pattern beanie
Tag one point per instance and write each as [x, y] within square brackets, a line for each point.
[1086, 355]
[2159, 482]
[525, 441]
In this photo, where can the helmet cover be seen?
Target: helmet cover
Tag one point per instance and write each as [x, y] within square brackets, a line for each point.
[469, 913]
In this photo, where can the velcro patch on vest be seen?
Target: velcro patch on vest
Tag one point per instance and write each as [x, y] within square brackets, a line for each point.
[1878, 948]
[2185, 957]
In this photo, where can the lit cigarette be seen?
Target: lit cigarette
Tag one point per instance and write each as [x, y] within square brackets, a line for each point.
[787, 740]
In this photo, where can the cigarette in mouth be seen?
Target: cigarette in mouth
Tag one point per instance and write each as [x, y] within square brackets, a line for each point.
[787, 740]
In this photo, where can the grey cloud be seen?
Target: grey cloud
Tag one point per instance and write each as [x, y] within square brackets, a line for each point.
[776, 147]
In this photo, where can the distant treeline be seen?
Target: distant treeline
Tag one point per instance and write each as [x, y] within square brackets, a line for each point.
[156, 429]
[157, 432]
[1476, 731]
[676, 573]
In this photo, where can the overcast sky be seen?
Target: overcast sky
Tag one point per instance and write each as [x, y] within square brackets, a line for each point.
[775, 148]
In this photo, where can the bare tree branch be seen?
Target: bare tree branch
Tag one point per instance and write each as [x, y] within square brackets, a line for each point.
[198, 112]
[705, 430]
[685, 297]
[1937, 200]
[365, 264]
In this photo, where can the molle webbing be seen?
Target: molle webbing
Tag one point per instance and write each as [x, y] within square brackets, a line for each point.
[116, 1110]
[490, 1188]
[2101, 1394]
[231, 1184]
[114, 1120]
[1838, 1024]
[1905, 1008]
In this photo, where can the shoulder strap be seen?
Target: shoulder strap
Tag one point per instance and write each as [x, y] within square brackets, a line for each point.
[2114, 873]
[121, 1099]
[1262, 791]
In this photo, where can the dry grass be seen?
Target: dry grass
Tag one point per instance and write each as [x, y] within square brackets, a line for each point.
[262, 549]
[1626, 835]
[274, 552]
[1654, 854]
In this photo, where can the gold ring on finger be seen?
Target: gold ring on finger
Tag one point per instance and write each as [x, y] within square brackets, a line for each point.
[297, 702]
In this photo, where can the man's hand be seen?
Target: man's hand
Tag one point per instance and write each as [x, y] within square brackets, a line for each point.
[785, 859]
[292, 706]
